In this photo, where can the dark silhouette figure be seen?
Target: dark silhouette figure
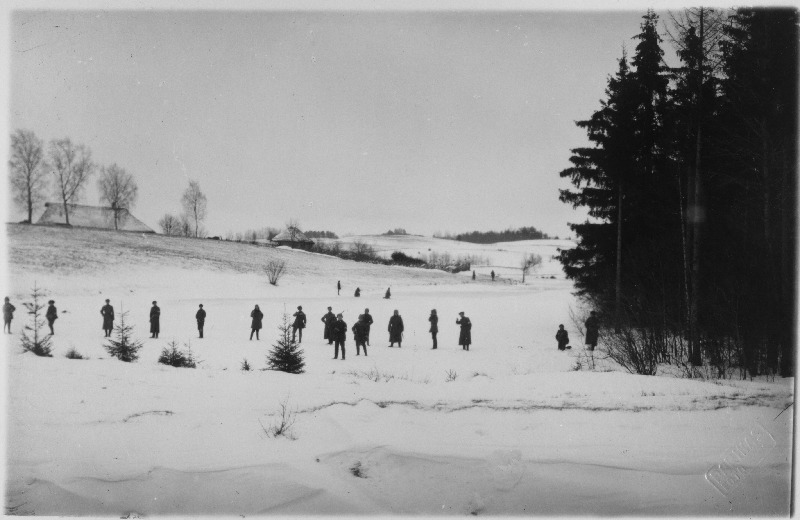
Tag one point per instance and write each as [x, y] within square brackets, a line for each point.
[338, 287]
[339, 333]
[8, 315]
[368, 322]
[360, 335]
[434, 319]
[388, 293]
[201, 319]
[329, 319]
[492, 274]
[592, 330]
[473, 275]
[52, 315]
[465, 336]
[396, 330]
[155, 320]
[255, 325]
[299, 322]
[107, 312]
[562, 336]
[358, 292]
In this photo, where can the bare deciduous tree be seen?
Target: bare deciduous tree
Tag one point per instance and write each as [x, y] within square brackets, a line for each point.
[28, 169]
[194, 204]
[529, 261]
[118, 189]
[170, 225]
[72, 166]
[274, 270]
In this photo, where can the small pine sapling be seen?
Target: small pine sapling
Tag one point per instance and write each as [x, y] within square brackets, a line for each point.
[38, 343]
[74, 354]
[175, 357]
[246, 366]
[124, 348]
[286, 355]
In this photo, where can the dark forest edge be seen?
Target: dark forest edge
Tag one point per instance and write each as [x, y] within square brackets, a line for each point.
[492, 237]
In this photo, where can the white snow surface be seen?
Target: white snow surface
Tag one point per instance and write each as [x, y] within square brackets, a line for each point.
[516, 432]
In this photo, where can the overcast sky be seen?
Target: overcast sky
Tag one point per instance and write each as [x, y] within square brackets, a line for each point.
[355, 122]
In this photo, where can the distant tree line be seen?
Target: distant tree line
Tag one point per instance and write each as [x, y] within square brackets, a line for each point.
[690, 181]
[491, 237]
[321, 234]
[395, 231]
[361, 251]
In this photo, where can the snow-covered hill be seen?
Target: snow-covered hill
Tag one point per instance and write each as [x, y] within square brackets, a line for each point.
[509, 427]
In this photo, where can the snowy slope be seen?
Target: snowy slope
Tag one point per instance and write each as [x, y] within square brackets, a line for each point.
[514, 431]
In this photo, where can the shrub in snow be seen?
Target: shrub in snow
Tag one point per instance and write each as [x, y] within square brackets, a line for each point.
[124, 347]
[286, 355]
[37, 342]
[274, 270]
[357, 470]
[284, 423]
[74, 354]
[246, 366]
[634, 349]
[451, 376]
[175, 357]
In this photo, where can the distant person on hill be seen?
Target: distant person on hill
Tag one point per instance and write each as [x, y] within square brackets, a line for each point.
[338, 287]
[339, 333]
[465, 336]
[52, 315]
[200, 316]
[329, 319]
[396, 330]
[255, 325]
[8, 315]
[473, 274]
[562, 336]
[155, 320]
[388, 293]
[592, 330]
[358, 292]
[368, 322]
[360, 335]
[492, 274]
[299, 322]
[434, 319]
[107, 312]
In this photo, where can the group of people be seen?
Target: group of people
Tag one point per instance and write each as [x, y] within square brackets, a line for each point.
[51, 315]
[357, 292]
[592, 332]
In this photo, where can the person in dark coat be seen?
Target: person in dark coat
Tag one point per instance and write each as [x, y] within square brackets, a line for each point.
[201, 319]
[299, 322]
[396, 330]
[8, 315]
[52, 315]
[360, 335]
[339, 333]
[592, 330]
[465, 336]
[107, 312]
[562, 336]
[358, 292]
[434, 319]
[255, 325]
[473, 275]
[338, 287]
[329, 319]
[388, 293]
[155, 320]
[492, 274]
[368, 322]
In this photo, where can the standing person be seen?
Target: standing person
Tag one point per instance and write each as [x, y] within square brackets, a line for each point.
[201, 319]
[255, 325]
[52, 315]
[434, 319]
[465, 336]
[492, 274]
[358, 292]
[155, 320]
[473, 274]
[339, 333]
[388, 293]
[360, 335]
[368, 322]
[299, 322]
[329, 319]
[562, 336]
[107, 312]
[338, 287]
[396, 330]
[592, 330]
[8, 315]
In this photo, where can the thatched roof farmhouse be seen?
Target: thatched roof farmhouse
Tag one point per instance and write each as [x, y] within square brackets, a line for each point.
[91, 217]
[293, 238]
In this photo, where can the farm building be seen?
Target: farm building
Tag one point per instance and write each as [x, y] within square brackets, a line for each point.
[92, 217]
[293, 238]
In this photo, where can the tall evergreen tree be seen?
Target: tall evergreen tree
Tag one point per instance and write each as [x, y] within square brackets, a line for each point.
[286, 355]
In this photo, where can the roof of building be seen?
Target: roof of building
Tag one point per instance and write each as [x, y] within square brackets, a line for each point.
[92, 217]
[287, 236]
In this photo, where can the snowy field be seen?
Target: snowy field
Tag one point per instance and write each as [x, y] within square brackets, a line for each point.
[516, 430]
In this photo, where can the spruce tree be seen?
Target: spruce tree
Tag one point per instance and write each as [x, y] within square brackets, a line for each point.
[38, 343]
[286, 355]
[124, 347]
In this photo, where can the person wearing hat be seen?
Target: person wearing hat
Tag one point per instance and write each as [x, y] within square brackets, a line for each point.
[155, 320]
[434, 319]
[299, 323]
[201, 319]
[255, 325]
[396, 330]
[465, 336]
[360, 335]
[329, 319]
[592, 330]
[107, 312]
[339, 333]
[367, 322]
[52, 315]
[8, 315]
